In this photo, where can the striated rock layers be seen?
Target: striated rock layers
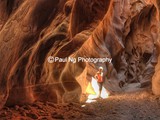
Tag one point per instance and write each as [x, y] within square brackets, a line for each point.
[32, 30]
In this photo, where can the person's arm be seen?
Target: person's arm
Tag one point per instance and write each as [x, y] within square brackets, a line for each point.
[96, 76]
[104, 76]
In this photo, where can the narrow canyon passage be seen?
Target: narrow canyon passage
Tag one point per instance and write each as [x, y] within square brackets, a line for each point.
[53, 52]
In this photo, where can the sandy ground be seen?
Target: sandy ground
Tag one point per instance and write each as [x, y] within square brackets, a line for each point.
[141, 105]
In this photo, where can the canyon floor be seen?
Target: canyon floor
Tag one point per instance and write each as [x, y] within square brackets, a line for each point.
[140, 105]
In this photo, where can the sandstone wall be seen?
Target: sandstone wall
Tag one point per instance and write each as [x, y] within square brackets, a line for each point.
[30, 31]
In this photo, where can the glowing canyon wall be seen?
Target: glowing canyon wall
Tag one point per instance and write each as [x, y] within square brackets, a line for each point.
[32, 30]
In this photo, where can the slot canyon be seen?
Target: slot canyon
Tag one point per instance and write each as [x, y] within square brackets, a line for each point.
[34, 32]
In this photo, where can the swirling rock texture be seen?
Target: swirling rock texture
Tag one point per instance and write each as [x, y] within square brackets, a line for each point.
[32, 30]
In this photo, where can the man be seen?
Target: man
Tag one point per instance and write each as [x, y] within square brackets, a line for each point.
[99, 78]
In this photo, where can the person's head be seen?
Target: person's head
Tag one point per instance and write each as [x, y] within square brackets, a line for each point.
[100, 69]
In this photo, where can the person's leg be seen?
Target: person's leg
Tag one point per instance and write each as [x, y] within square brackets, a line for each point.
[100, 88]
